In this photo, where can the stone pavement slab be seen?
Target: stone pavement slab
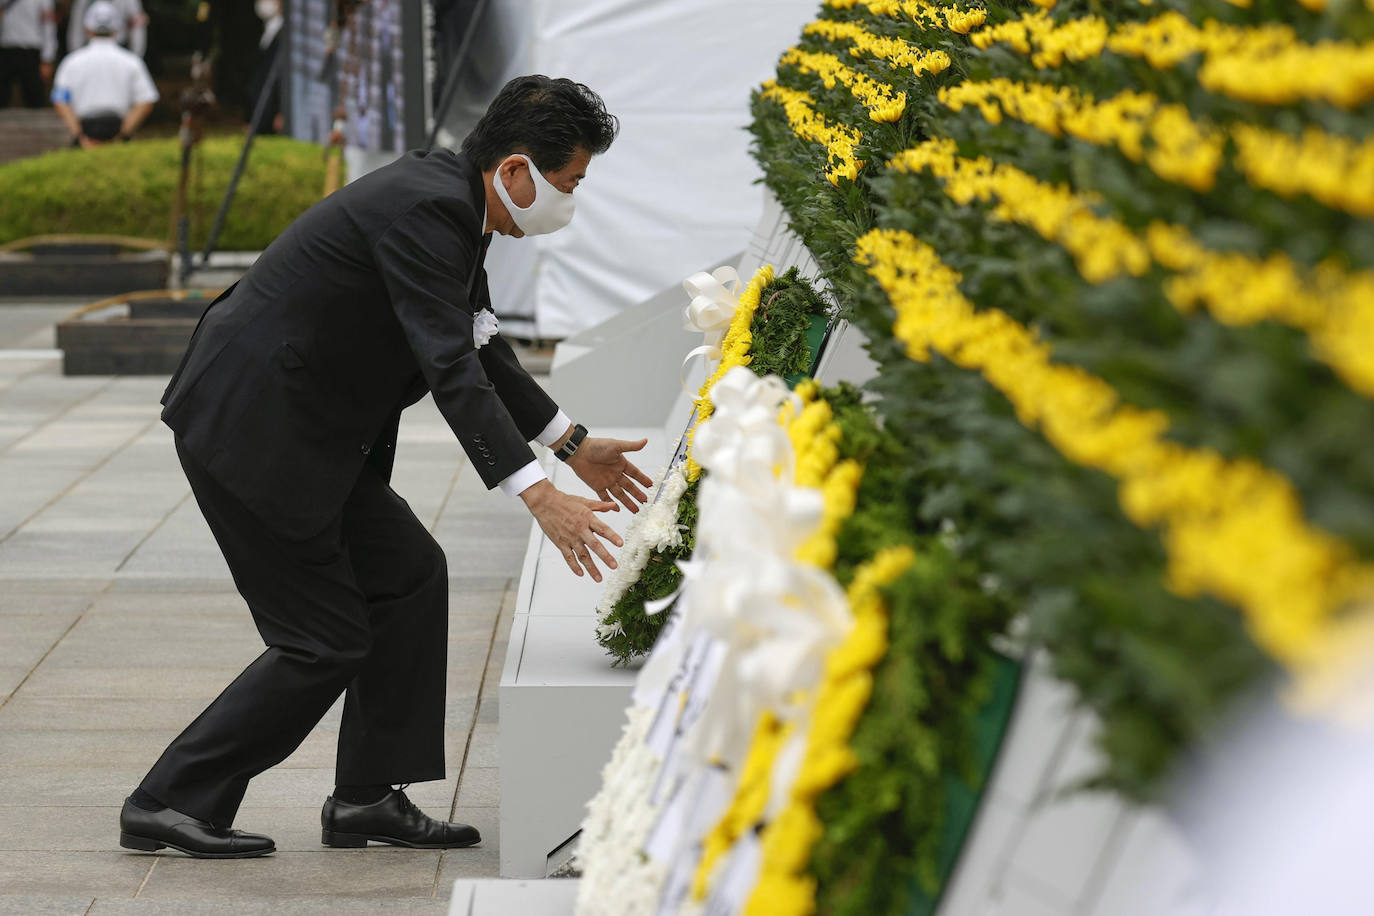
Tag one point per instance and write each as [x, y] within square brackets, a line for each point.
[118, 622]
[329, 873]
[278, 906]
[20, 905]
[66, 873]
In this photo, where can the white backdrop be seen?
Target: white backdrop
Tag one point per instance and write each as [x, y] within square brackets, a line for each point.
[676, 191]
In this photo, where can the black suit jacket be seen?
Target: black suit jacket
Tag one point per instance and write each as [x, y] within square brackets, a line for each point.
[297, 375]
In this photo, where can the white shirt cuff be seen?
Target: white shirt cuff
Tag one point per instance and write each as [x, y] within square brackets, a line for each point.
[523, 479]
[555, 430]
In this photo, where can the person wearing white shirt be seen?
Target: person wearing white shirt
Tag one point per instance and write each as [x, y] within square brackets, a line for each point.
[131, 31]
[102, 92]
[28, 46]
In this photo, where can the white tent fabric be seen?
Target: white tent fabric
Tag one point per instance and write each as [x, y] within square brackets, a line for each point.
[676, 192]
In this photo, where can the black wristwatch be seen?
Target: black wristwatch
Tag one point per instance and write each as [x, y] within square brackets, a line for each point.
[569, 448]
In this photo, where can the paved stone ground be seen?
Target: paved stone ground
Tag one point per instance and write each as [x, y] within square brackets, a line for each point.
[118, 622]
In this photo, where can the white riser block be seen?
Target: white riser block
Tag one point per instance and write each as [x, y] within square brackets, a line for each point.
[562, 708]
[562, 705]
[1154, 872]
[1036, 849]
[642, 347]
[495, 897]
[1066, 835]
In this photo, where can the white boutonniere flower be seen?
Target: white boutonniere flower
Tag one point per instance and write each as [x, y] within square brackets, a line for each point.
[484, 327]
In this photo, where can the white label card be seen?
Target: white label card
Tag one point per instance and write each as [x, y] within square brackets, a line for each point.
[676, 888]
[670, 707]
[664, 838]
[737, 878]
[648, 689]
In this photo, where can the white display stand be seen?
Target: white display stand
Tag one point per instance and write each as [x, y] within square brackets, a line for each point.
[562, 705]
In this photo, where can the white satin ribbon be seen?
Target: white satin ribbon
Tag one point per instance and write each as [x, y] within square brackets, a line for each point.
[743, 438]
[715, 299]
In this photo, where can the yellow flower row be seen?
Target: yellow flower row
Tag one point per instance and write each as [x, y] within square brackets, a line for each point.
[751, 797]
[1334, 308]
[1337, 171]
[899, 53]
[815, 442]
[884, 103]
[1180, 149]
[1267, 64]
[1319, 6]
[735, 347]
[1102, 248]
[925, 14]
[1047, 44]
[1233, 529]
[784, 888]
[840, 141]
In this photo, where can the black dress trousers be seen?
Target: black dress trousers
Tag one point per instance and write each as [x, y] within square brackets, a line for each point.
[360, 608]
[22, 65]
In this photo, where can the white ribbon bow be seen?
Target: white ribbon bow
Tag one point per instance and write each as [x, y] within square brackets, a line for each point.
[715, 299]
[743, 439]
[484, 327]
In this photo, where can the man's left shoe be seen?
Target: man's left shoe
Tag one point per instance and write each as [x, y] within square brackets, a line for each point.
[394, 820]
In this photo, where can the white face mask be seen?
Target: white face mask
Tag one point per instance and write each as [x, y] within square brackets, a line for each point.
[550, 210]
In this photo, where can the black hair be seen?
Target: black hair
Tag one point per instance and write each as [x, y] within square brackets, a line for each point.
[547, 119]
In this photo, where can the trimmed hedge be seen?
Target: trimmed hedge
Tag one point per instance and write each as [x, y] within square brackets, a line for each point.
[128, 189]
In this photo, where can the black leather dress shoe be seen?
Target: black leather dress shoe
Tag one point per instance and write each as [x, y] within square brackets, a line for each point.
[150, 831]
[394, 820]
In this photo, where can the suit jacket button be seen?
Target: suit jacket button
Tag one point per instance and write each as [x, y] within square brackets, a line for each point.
[365, 449]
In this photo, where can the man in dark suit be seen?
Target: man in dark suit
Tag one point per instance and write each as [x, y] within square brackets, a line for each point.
[285, 410]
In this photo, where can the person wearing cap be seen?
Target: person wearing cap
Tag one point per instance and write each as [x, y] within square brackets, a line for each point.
[28, 46]
[131, 25]
[102, 92]
[285, 413]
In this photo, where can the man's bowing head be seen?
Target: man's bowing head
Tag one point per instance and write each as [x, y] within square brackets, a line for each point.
[532, 147]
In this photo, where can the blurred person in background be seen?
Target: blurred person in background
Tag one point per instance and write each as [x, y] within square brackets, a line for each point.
[131, 25]
[102, 92]
[28, 47]
[271, 121]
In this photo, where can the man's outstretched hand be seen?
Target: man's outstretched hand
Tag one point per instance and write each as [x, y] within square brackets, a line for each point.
[602, 465]
[571, 524]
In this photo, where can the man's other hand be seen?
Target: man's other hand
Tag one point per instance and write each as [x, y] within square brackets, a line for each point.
[602, 465]
[570, 523]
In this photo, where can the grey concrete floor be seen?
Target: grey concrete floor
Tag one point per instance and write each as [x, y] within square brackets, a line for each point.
[119, 622]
